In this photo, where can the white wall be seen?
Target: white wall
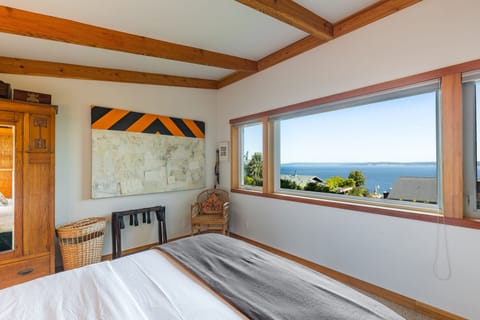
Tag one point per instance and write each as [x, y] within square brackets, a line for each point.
[397, 254]
[394, 253]
[73, 148]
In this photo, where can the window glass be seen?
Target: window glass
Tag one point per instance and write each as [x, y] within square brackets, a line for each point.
[476, 144]
[252, 155]
[471, 147]
[382, 150]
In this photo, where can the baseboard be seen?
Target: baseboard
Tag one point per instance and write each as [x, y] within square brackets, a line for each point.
[407, 302]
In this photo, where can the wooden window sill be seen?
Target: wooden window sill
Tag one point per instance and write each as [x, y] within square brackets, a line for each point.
[406, 214]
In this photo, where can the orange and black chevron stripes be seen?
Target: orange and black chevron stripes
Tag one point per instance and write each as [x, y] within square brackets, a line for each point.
[194, 128]
[108, 119]
[142, 123]
[121, 120]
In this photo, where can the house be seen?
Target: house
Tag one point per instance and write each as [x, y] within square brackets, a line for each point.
[416, 189]
[434, 263]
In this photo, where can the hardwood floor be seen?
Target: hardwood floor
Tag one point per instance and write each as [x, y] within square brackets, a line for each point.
[407, 313]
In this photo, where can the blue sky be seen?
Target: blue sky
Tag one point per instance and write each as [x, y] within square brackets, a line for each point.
[252, 136]
[400, 130]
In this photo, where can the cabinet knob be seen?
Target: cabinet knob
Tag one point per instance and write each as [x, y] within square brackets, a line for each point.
[25, 271]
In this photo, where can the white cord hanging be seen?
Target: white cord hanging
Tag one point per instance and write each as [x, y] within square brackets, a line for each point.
[436, 262]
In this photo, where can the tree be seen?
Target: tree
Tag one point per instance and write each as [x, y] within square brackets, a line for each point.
[358, 177]
[254, 169]
[315, 186]
[288, 184]
[336, 182]
[247, 180]
[359, 192]
[255, 166]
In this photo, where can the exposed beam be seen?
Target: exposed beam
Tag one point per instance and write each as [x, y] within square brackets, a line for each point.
[62, 70]
[290, 51]
[233, 77]
[360, 19]
[295, 15]
[286, 53]
[370, 14]
[41, 26]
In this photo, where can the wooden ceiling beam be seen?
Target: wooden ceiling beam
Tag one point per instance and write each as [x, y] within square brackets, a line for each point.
[295, 15]
[290, 51]
[34, 25]
[360, 19]
[370, 14]
[62, 70]
[232, 78]
[25, 23]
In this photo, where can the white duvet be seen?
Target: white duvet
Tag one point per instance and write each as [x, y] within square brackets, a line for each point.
[141, 286]
[6, 216]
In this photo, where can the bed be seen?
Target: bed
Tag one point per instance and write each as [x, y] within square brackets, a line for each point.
[6, 216]
[6, 223]
[208, 276]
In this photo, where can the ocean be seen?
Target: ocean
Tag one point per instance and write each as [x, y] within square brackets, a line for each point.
[380, 175]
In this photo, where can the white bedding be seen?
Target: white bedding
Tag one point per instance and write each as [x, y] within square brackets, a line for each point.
[6, 217]
[141, 286]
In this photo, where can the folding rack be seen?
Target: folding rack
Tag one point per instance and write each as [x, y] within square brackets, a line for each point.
[118, 224]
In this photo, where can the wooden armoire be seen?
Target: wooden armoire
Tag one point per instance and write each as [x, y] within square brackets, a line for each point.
[32, 252]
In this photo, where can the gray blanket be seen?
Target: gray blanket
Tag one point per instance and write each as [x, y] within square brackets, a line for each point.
[263, 285]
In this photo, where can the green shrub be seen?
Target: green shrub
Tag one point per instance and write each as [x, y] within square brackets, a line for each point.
[289, 184]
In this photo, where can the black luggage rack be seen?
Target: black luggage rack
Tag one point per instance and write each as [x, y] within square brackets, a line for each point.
[118, 223]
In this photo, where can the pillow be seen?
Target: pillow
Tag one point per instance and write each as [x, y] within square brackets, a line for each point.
[3, 200]
[212, 205]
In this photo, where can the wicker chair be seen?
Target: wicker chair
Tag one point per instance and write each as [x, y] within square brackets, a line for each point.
[210, 212]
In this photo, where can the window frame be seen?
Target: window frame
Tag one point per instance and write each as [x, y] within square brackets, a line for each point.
[241, 138]
[451, 148]
[365, 100]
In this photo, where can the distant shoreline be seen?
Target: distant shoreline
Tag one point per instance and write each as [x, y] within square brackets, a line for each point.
[379, 176]
[357, 163]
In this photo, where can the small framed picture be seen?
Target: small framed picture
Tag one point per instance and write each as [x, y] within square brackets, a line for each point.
[223, 151]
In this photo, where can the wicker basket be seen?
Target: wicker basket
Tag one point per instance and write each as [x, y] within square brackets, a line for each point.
[81, 242]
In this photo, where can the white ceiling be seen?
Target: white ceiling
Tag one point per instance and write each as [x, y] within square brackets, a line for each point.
[224, 26]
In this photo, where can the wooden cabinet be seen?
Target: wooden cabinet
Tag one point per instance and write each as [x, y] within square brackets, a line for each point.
[32, 251]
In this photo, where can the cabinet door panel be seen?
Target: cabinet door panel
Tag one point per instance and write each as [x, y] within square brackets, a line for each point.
[11, 127]
[40, 133]
[38, 203]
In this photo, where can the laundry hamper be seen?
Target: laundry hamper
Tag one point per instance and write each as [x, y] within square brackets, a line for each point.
[81, 242]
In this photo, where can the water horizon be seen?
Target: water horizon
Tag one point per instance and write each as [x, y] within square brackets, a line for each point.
[361, 163]
[379, 176]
